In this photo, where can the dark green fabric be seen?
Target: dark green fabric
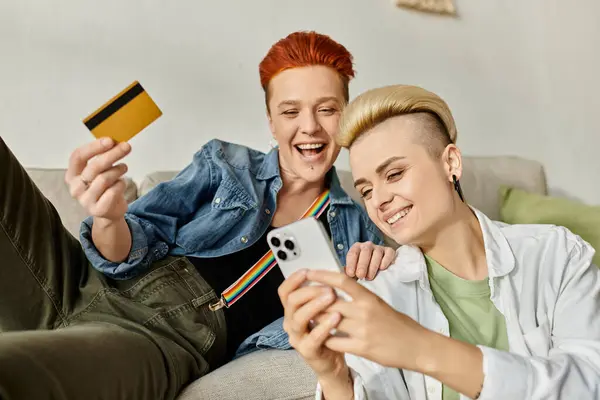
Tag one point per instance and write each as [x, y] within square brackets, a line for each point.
[68, 332]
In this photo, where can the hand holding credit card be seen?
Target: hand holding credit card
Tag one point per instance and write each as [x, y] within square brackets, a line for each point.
[95, 173]
[125, 115]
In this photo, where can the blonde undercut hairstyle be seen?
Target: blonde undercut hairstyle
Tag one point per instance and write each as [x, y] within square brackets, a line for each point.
[377, 105]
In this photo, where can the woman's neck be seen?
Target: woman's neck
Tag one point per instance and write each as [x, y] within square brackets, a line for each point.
[295, 196]
[294, 186]
[459, 245]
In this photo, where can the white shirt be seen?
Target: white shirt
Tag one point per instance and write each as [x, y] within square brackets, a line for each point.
[544, 283]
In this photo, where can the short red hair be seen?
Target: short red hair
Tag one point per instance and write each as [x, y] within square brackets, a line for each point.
[303, 49]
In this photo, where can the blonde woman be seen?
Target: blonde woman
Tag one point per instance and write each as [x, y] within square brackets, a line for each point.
[474, 308]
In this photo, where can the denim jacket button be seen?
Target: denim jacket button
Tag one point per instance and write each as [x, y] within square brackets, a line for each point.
[267, 211]
[340, 246]
[244, 239]
[217, 200]
[332, 214]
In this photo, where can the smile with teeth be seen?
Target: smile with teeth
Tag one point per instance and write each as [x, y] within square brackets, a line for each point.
[399, 215]
[310, 149]
[310, 146]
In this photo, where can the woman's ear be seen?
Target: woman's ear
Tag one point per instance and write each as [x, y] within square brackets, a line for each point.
[273, 141]
[452, 159]
[271, 125]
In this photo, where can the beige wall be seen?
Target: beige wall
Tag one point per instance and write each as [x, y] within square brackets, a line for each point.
[520, 75]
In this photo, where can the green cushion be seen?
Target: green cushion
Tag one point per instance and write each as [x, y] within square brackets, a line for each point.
[520, 207]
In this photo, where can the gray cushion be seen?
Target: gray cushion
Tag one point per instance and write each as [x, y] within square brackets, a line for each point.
[262, 375]
[153, 179]
[483, 176]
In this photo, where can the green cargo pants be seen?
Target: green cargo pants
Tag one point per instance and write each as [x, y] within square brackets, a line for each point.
[69, 332]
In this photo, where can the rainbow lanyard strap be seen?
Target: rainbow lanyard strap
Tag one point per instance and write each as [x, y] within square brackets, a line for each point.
[266, 263]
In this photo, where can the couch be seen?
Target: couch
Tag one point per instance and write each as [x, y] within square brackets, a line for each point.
[282, 375]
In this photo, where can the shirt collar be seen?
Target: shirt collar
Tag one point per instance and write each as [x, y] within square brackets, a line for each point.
[500, 258]
[411, 264]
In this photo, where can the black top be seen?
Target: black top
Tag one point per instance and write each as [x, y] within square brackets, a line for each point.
[260, 305]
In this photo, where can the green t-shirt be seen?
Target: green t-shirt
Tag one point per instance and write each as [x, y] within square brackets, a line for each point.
[472, 317]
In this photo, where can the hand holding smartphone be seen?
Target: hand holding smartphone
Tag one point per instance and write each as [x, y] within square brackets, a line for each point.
[304, 244]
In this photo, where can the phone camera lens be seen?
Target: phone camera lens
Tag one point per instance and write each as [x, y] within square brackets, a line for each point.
[282, 255]
[289, 245]
[275, 242]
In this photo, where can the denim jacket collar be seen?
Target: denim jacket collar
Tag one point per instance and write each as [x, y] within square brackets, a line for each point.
[270, 169]
[337, 194]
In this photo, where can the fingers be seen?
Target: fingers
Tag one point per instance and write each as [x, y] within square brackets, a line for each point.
[104, 161]
[352, 259]
[292, 283]
[318, 336]
[353, 339]
[112, 197]
[339, 281]
[95, 181]
[301, 296]
[319, 301]
[88, 196]
[389, 257]
[375, 264]
[302, 306]
[76, 187]
[364, 259]
[80, 157]
[347, 345]
[347, 309]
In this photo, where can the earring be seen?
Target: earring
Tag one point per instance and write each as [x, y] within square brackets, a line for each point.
[458, 188]
[273, 143]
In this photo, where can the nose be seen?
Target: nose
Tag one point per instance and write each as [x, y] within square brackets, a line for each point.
[309, 124]
[381, 197]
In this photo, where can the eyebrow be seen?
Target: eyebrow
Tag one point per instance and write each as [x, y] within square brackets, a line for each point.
[320, 100]
[379, 169]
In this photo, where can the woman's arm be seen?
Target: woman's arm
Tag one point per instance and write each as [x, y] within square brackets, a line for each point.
[151, 223]
[337, 384]
[112, 238]
[457, 364]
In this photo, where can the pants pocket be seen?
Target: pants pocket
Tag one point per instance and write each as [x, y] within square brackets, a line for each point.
[172, 299]
[169, 284]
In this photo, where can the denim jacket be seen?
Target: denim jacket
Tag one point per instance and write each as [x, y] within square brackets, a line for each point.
[222, 202]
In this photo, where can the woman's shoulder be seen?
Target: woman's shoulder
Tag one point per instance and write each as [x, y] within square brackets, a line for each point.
[542, 234]
[233, 159]
[233, 153]
[548, 246]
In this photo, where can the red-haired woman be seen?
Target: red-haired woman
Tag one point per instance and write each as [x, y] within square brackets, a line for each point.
[165, 289]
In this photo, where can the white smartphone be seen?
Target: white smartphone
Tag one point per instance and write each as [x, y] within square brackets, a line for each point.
[304, 244]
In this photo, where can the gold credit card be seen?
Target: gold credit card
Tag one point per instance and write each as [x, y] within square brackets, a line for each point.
[125, 115]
